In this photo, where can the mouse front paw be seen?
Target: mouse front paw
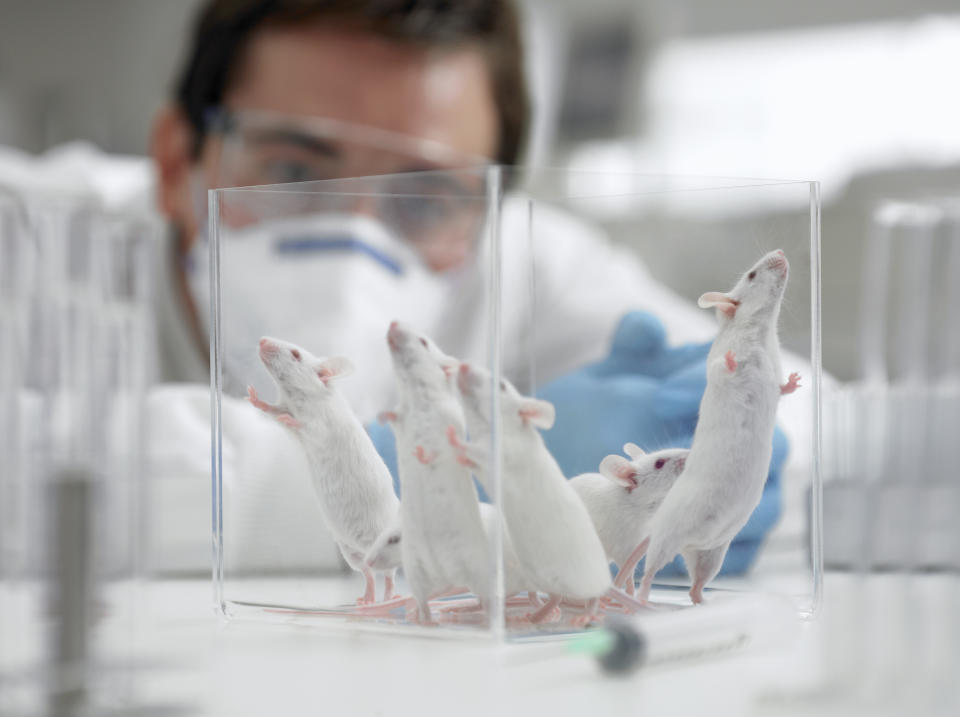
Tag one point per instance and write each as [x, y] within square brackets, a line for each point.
[420, 453]
[387, 417]
[255, 399]
[731, 361]
[288, 420]
[792, 384]
[459, 448]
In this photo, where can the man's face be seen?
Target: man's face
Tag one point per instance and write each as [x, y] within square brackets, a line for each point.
[357, 78]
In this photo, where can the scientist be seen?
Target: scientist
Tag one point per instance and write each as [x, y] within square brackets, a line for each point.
[292, 90]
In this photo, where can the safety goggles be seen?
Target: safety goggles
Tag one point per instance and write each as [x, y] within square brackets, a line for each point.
[273, 148]
[424, 191]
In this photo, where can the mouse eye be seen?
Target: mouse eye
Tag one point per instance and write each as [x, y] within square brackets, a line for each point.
[393, 540]
[752, 275]
[423, 342]
[296, 354]
[661, 462]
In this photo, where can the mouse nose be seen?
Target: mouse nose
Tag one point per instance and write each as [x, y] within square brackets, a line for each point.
[778, 260]
[267, 348]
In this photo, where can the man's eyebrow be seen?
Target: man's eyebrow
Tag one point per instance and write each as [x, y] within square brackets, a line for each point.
[311, 143]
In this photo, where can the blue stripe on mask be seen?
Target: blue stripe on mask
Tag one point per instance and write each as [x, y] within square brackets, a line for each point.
[304, 245]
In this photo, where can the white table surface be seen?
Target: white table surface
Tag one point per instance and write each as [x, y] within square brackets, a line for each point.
[882, 645]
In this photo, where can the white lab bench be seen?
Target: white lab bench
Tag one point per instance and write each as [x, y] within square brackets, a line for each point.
[247, 667]
[882, 645]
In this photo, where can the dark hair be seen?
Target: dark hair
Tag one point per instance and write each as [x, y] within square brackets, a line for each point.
[224, 29]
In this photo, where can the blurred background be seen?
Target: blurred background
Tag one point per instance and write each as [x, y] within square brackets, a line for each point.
[855, 95]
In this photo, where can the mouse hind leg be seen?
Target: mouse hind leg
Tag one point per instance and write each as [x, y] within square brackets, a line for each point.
[549, 611]
[703, 566]
[389, 582]
[421, 592]
[627, 567]
[355, 560]
[661, 550]
[589, 615]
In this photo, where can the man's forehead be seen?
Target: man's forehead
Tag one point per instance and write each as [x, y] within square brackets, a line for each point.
[355, 76]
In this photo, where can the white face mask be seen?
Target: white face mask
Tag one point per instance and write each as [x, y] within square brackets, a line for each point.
[331, 283]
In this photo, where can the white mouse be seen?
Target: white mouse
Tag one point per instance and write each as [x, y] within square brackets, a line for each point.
[730, 455]
[623, 497]
[553, 536]
[350, 479]
[444, 544]
[386, 551]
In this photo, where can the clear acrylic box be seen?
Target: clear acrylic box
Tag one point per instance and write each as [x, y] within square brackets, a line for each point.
[527, 275]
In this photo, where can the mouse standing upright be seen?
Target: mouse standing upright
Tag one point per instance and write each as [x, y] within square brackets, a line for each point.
[444, 544]
[730, 455]
[350, 479]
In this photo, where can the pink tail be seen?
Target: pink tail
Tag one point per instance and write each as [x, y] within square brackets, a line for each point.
[626, 570]
[625, 600]
[380, 609]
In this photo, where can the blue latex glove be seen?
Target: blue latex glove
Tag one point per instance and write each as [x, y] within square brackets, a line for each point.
[382, 436]
[625, 397]
[648, 393]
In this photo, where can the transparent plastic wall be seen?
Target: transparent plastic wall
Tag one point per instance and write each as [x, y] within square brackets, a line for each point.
[309, 279]
[361, 332]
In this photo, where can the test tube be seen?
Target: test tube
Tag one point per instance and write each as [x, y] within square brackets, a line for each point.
[947, 330]
[917, 226]
[944, 536]
[70, 309]
[874, 299]
[14, 250]
[127, 250]
[14, 254]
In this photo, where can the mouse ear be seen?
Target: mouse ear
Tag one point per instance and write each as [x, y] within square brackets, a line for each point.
[633, 450]
[538, 413]
[620, 471]
[722, 302]
[333, 368]
[712, 299]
